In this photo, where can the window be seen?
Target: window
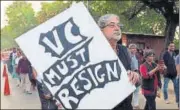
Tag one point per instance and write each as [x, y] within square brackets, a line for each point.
[140, 45]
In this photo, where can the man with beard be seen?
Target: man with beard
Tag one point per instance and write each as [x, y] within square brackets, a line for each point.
[169, 60]
[110, 26]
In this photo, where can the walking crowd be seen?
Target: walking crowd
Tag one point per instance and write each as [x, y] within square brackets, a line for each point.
[150, 76]
[27, 79]
[153, 73]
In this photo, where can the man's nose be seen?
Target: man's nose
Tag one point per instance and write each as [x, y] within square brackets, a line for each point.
[117, 27]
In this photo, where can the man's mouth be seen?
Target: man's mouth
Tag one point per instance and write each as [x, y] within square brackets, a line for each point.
[117, 33]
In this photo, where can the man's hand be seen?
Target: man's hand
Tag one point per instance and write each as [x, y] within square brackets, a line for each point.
[133, 77]
[59, 105]
[47, 96]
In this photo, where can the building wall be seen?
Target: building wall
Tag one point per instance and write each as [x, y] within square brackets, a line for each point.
[154, 42]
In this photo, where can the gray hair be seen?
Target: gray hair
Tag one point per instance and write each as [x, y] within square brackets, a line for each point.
[148, 53]
[132, 46]
[102, 22]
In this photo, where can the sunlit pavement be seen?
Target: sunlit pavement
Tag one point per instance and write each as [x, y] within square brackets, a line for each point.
[17, 99]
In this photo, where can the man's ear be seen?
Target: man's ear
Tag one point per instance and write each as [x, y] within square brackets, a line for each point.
[102, 29]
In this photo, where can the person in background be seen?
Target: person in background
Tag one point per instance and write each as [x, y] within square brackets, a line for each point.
[150, 80]
[177, 62]
[46, 98]
[19, 56]
[11, 63]
[32, 78]
[147, 48]
[169, 60]
[24, 69]
[135, 68]
[140, 56]
[110, 26]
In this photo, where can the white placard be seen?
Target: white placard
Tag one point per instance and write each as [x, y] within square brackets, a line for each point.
[76, 62]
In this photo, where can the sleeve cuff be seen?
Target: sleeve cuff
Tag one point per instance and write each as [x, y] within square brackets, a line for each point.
[149, 75]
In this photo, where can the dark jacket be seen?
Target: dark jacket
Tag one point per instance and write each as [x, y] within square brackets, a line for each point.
[45, 103]
[24, 66]
[126, 61]
[170, 64]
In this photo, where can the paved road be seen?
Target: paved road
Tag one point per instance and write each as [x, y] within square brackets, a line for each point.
[160, 103]
[19, 100]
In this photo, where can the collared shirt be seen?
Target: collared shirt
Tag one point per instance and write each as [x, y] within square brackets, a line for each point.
[171, 53]
[134, 63]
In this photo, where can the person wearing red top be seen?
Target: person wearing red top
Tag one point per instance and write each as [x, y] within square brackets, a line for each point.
[150, 80]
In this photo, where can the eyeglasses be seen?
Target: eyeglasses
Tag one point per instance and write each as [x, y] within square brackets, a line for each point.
[112, 25]
[151, 56]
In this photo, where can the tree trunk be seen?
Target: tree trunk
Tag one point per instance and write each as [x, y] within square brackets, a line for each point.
[169, 31]
[169, 34]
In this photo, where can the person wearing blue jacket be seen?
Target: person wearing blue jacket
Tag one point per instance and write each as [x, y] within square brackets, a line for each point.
[177, 61]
